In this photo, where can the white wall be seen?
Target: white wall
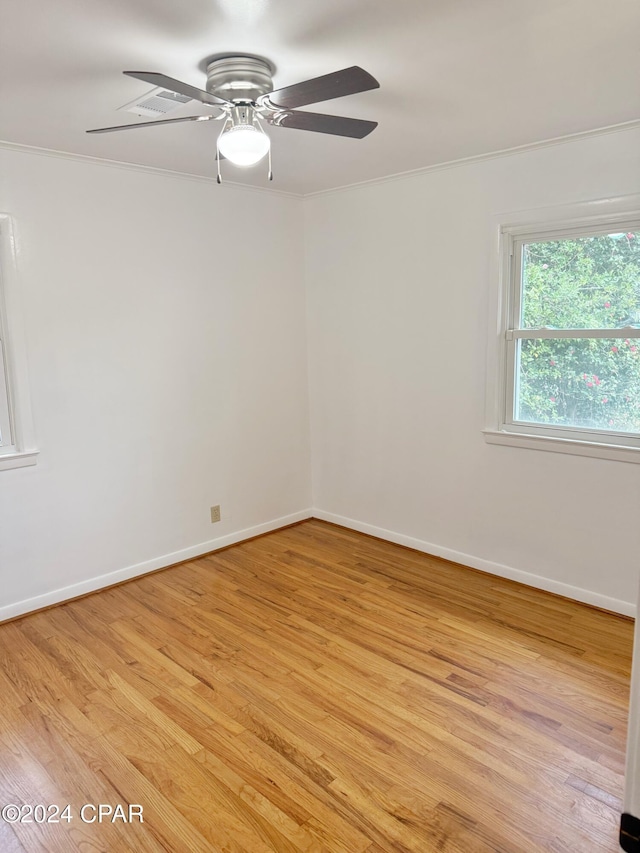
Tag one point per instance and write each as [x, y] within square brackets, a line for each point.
[164, 320]
[399, 285]
[165, 327]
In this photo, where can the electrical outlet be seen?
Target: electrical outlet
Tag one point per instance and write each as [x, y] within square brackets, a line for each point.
[215, 513]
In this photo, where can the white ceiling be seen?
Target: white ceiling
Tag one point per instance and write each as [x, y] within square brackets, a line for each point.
[458, 77]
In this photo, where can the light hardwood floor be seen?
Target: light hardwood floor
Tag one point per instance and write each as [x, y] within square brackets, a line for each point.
[317, 690]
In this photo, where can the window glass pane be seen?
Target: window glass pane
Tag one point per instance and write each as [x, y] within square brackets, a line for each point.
[593, 383]
[582, 282]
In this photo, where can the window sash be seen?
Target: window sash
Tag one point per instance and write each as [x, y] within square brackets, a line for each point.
[519, 239]
[510, 422]
[546, 333]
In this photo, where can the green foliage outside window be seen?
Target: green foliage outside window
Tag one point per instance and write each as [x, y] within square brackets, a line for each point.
[581, 283]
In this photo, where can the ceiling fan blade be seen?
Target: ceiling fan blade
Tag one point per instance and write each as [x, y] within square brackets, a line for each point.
[177, 86]
[337, 125]
[149, 123]
[349, 81]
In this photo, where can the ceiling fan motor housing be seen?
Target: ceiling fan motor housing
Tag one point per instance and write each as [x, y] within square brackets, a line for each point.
[240, 79]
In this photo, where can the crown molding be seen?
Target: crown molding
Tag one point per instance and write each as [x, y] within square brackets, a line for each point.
[396, 176]
[481, 158]
[138, 167]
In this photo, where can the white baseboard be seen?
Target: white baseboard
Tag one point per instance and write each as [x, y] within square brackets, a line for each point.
[626, 608]
[57, 596]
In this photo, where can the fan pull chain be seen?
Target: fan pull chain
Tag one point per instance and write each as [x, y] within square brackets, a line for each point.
[224, 127]
[259, 123]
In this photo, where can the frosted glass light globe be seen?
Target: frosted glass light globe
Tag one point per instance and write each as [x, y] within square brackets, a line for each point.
[244, 145]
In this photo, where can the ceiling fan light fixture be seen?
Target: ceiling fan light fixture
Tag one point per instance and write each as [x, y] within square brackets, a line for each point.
[240, 88]
[244, 144]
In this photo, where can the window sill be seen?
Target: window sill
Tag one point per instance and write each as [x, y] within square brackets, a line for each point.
[575, 447]
[18, 460]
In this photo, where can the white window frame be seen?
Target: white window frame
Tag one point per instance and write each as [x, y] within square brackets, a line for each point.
[17, 447]
[512, 232]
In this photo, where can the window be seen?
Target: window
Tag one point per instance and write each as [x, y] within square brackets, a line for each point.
[16, 433]
[569, 360]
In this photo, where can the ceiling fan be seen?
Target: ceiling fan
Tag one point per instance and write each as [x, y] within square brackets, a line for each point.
[240, 88]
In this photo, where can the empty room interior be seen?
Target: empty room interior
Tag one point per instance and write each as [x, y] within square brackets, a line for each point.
[319, 426]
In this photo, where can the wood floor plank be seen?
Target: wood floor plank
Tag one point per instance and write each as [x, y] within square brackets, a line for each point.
[318, 691]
